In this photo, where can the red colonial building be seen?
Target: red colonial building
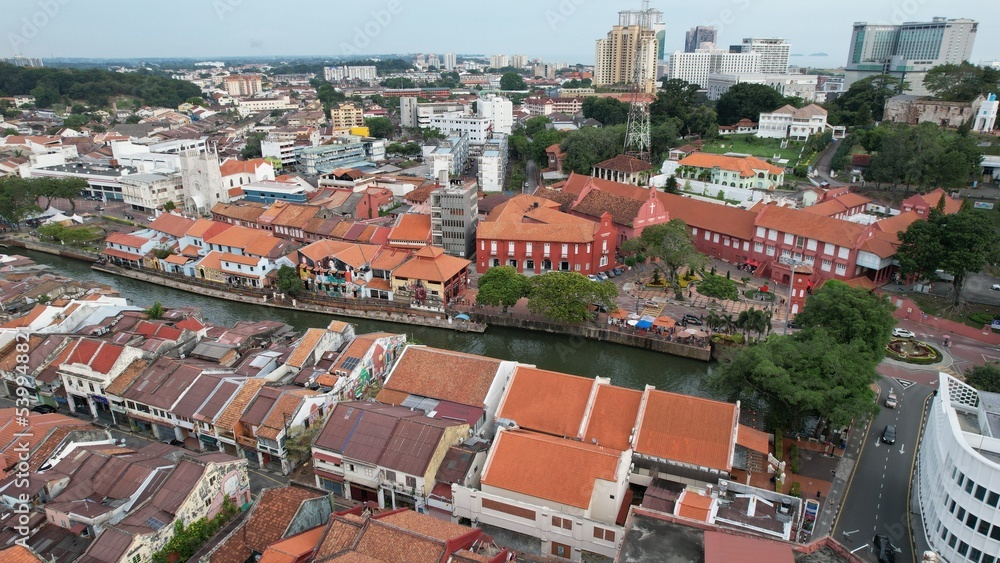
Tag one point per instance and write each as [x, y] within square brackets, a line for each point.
[532, 235]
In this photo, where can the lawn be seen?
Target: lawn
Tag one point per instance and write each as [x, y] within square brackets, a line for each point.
[763, 148]
[936, 306]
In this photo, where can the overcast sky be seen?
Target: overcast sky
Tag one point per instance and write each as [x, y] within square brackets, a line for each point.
[557, 30]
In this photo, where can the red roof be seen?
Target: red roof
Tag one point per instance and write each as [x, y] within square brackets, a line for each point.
[723, 548]
[126, 240]
[99, 356]
[687, 429]
[115, 253]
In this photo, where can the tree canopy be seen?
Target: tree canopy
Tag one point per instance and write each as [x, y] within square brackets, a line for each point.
[608, 111]
[21, 198]
[380, 127]
[501, 286]
[985, 377]
[567, 296]
[586, 147]
[962, 82]
[959, 244]
[747, 101]
[680, 103]
[719, 288]
[925, 155]
[95, 86]
[512, 81]
[824, 370]
[289, 281]
[669, 246]
[865, 100]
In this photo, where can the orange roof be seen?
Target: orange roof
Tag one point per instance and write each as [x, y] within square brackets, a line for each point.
[126, 240]
[721, 547]
[753, 439]
[233, 166]
[897, 223]
[263, 245]
[443, 374]
[687, 429]
[212, 261]
[305, 347]
[412, 228]
[530, 218]
[238, 259]
[951, 205]
[431, 264]
[234, 410]
[389, 258]
[177, 259]
[20, 554]
[293, 549]
[825, 229]
[547, 401]
[694, 506]
[173, 225]
[235, 236]
[114, 252]
[524, 462]
[612, 416]
[747, 166]
[379, 284]
[26, 320]
[202, 227]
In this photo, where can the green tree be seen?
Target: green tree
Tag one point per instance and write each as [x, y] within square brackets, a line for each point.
[380, 127]
[502, 286]
[398, 83]
[961, 82]
[801, 376]
[586, 147]
[850, 316]
[608, 111]
[169, 206]
[747, 101]
[985, 377]
[289, 281]
[252, 148]
[17, 200]
[719, 288]
[156, 311]
[671, 187]
[512, 81]
[566, 297]
[959, 244]
[670, 245]
[872, 92]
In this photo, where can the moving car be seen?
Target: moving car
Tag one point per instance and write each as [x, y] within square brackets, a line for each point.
[884, 550]
[692, 320]
[891, 400]
[43, 409]
[889, 434]
[995, 287]
[902, 333]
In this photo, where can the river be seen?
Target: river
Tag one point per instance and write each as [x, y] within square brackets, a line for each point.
[628, 367]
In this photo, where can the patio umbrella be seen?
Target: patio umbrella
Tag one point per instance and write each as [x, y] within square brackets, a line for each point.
[699, 333]
[688, 332]
[634, 316]
[633, 322]
[462, 317]
[644, 324]
[665, 322]
[621, 314]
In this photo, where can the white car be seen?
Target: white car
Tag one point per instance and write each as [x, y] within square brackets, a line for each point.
[902, 333]
[996, 287]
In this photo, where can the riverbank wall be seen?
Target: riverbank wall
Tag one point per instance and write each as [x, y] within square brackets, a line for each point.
[374, 312]
[54, 249]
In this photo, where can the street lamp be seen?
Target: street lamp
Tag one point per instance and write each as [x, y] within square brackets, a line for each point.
[791, 287]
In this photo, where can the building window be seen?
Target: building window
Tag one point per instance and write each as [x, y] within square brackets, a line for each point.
[841, 269]
[602, 534]
[980, 492]
[390, 476]
[493, 246]
[411, 482]
[546, 249]
[564, 523]
[827, 264]
[993, 499]
[512, 263]
[758, 247]
[971, 521]
[510, 247]
[565, 250]
[564, 266]
[984, 527]
[969, 484]
[770, 250]
[527, 247]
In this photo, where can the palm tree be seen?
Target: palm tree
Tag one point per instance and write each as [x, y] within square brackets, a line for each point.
[713, 320]
[728, 322]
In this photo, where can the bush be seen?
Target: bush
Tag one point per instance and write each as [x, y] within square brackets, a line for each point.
[793, 458]
[795, 490]
[778, 446]
[981, 318]
[718, 287]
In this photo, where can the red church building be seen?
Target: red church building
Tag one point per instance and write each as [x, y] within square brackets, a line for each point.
[532, 235]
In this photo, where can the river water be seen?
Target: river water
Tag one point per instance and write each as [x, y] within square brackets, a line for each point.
[627, 367]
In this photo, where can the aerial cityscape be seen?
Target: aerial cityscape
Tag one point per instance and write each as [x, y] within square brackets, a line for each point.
[553, 281]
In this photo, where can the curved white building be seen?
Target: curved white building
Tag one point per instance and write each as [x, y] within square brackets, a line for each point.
[958, 473]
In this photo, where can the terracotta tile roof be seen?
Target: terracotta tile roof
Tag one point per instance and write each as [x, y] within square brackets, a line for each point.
[98, 355]
[126, 240]
[231, 415]
[412, 228]
[425, 525]
[236, 236]
[694, 506]
[746, 166]
[530, 218]
[703, 215]
[339, 534]
[173, 225]
[340, 231]
[421, 194]
[625, 163]
[239, 259]
[385, 542]
[123, 381]
[931, 199]
[212, 261]
[443, 374]
[282, 411]
[837, 205]
[203, 227]
[20, 554]
[305, 347]
[295, 215]
[177, 259]
[623, 210]
[796, 222]
[613, 416]
[898, 223]
[431, 264]
[114, 252]
[723, 547]
[564, 199]
[687, 429]
[293, 549]
[248, 212]
[883, 245]
[523, 462]
[753, 439]
[389, 259]
[233, 166]
[547, 401]
[271, 516]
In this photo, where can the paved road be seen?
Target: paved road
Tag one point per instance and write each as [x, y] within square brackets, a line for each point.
[531, 171]
[823, 165]
[877, 498]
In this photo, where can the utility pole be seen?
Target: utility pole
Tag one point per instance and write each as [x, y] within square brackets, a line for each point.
[637, 133]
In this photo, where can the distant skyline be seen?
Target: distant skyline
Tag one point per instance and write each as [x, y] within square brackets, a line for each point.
[555, 30]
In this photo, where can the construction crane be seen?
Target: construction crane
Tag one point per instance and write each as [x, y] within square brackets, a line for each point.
[637, 134]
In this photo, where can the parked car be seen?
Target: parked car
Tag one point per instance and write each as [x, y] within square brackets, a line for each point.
[995, 287]
[619, 271]
[43, 409]
[884, 549]
[593, 277]
[889, 434]
[610, 273]
[691, 320]
[602, 277]
[902, 333]
[891, 400]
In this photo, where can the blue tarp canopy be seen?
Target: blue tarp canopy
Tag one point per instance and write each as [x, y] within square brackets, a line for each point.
[462, 317]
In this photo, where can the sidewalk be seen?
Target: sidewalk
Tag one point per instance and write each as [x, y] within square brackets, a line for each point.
[842, 477]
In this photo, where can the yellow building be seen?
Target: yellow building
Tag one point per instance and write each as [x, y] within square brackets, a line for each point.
[345, 116]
